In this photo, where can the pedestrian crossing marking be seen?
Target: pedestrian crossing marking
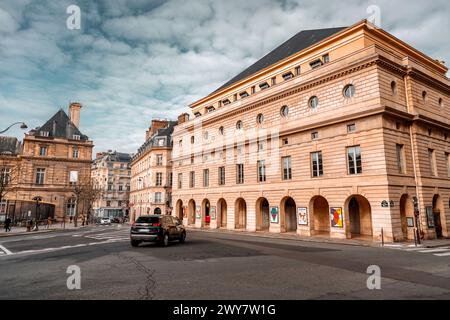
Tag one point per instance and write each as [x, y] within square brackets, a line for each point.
[4, 250]
[436, 251]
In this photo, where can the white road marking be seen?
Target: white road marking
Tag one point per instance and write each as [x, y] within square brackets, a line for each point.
[6, 251]
[67, 247]
[442, 254]
[415, 249]
[435, 250]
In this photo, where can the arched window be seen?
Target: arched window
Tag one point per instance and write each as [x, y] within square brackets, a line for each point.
[394, 88]
[260, 118]
[424, 96]
[313, 102]
[221, 131]
[239, 125]
[349, 91]
[284, 111]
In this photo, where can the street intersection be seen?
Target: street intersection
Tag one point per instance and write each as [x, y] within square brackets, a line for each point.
[214, 265]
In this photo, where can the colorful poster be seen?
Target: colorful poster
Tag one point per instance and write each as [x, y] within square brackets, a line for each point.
[302, 214]
[274, 215]
[198, 212]
[336, 217]
[430, 217]
[212, 211]
[184, 212]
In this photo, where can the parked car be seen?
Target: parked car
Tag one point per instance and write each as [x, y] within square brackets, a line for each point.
[157, 228]
[105, 221]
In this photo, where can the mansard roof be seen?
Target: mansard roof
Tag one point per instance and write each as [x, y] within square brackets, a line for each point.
[297, 43]
[9, 146]
[59, 126]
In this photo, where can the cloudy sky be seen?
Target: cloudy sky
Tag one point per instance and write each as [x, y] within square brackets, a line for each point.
[138, 59]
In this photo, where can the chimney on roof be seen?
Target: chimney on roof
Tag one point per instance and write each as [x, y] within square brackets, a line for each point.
[156, 125]
[74, 113]
[69, 130]
[54, 128]
[184, 117]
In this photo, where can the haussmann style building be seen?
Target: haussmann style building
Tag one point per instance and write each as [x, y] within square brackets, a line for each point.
[340, 132]
[151, 172]
[111, 172]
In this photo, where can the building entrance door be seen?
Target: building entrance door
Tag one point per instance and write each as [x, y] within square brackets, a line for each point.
[437, 223]
[355, 219]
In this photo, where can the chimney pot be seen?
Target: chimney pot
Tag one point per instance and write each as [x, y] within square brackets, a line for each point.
[184, 117]
[74, 113]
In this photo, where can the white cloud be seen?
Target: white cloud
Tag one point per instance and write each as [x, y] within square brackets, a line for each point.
[134, 60]
[7, 23]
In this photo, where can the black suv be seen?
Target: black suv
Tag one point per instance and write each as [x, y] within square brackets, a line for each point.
[157, 228]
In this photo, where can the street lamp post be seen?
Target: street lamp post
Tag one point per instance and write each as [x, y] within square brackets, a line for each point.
[22, 126]
[37, 199]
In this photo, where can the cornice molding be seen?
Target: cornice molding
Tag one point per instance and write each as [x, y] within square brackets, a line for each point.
[426, 79]
[43, 159]
[339, 73]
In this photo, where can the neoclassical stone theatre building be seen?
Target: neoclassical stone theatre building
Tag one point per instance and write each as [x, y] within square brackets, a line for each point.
[336, 132]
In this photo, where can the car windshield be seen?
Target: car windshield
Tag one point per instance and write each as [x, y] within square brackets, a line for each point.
[147, 220]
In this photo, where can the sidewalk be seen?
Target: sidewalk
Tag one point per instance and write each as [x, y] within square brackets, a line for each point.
[18, 231]
[322, 239]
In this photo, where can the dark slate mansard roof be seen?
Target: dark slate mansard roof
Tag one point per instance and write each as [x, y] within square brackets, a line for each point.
[9, 146]
[60, 126]
[152, 141]
[299, 42]
[119, 157]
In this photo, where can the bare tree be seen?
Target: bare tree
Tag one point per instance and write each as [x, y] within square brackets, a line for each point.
[9, 177]
[86, 192]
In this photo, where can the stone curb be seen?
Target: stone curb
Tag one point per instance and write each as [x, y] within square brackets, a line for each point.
[13, 234]
[315, 240]
[292, 238]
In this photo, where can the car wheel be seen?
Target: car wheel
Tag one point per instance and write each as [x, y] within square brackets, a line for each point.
[165, 240]
[134, 243]
[183, 237]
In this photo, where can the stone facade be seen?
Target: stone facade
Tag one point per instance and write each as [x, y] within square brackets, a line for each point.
[347, 131]
[111, 172]
[151, 172]
[53, 157]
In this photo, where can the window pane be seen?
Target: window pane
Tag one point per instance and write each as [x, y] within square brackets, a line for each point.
[316, 163]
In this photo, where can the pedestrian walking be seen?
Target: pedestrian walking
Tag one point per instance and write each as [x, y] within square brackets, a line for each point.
[7, 224]
[71, 218]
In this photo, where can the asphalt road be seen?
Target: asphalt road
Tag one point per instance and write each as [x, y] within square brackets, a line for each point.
[212, 266]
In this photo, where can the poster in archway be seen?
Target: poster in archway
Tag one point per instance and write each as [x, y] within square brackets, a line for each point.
[336, 217]
[302, 214]
[430, 217]
[274, 215]
[213, 213]
[198, 212]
